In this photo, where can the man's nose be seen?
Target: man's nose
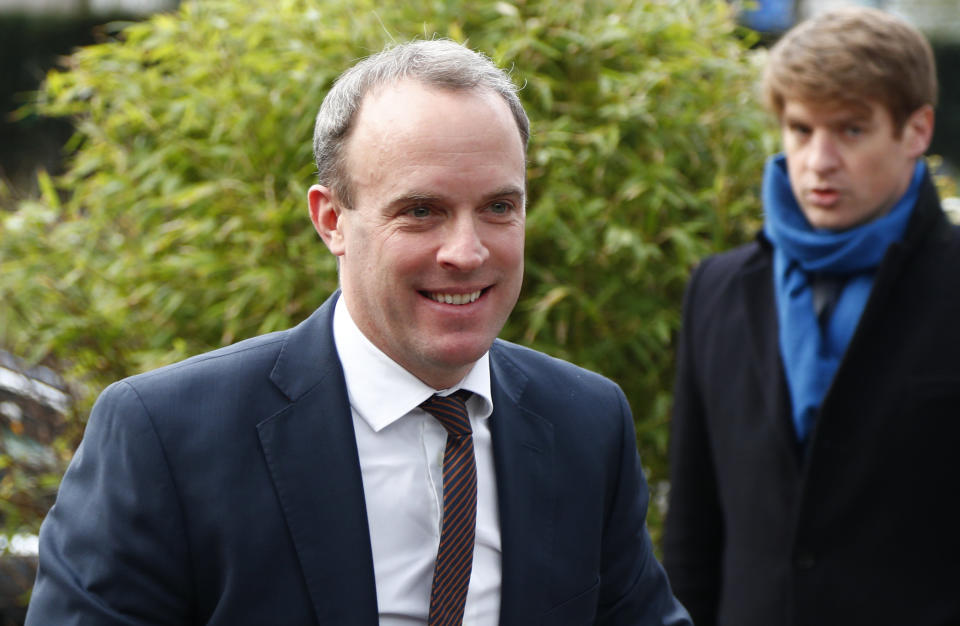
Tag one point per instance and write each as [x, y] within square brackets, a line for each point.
[822, 156]
[463, 247]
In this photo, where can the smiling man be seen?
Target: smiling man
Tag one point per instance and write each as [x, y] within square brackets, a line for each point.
[388, 461]
[813, 454]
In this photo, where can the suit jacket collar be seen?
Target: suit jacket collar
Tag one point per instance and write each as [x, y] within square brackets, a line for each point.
[523, 449]
[311, 452]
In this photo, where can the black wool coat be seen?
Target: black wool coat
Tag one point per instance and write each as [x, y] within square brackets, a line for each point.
[862, 526]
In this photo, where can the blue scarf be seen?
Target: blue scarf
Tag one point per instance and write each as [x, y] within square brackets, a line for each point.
[811, 353]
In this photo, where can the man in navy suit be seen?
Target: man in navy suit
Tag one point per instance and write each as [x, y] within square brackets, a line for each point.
[298, 478]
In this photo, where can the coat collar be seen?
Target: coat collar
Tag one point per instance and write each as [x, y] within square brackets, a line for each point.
[760, 306]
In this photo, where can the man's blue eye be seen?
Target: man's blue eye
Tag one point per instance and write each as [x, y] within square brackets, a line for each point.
[499, 207]
[420, 211]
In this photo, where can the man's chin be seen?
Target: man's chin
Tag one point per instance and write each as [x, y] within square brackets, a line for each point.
[450, 362]
[824, 219]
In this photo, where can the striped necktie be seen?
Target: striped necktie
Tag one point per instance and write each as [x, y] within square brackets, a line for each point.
[451, 573]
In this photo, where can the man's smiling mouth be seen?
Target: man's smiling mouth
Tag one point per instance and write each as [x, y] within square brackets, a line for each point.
[453, 298]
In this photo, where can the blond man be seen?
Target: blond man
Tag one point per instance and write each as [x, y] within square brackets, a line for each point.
[818, 390]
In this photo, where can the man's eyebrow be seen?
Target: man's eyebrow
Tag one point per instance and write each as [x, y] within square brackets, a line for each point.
[509, 190]
[415, 197]
[853, 117]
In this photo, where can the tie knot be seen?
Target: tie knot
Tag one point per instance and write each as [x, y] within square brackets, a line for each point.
[450, 411]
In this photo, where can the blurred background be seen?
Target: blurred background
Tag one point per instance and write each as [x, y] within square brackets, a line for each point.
[154, 159]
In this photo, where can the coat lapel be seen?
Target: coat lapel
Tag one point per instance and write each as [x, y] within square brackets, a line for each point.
[760, 305]
[524, 458]
[311, 453]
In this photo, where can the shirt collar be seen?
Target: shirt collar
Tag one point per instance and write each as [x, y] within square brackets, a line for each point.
[381, 391]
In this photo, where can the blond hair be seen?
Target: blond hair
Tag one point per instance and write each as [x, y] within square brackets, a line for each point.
[849, 56]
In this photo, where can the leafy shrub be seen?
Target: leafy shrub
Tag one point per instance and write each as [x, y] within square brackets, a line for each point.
[181, 225]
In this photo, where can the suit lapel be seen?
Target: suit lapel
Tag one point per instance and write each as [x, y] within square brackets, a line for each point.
[311, 453]
[523, 457]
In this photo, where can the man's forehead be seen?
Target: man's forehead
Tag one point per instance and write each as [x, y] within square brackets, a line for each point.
[389, 110]
[403, 131]
[384, 94]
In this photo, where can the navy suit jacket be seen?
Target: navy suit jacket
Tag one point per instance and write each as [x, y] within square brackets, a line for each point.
[226, 489]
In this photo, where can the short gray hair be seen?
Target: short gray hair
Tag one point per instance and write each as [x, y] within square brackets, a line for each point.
[438, 62]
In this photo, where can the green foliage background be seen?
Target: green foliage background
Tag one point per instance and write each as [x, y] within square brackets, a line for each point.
[181, 223]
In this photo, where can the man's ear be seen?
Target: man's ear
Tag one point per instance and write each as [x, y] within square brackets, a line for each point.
[918, 131]
[325, 215]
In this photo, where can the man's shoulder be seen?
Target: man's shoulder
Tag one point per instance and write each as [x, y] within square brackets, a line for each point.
[253, 354]
[207, 395]
[584, 410]
[750, 256]
[542, 380]
[718, 276]
[541, 363]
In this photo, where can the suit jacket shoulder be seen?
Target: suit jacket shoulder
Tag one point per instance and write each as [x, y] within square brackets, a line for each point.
[223, 489]
[542, 376]
[573, 498]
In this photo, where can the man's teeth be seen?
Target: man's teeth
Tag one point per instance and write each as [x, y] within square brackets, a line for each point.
[454, 298]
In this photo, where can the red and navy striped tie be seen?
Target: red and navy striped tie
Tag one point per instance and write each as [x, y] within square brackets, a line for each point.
[451, 574]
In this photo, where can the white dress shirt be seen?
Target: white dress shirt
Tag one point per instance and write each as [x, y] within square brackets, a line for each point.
[401, 453]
